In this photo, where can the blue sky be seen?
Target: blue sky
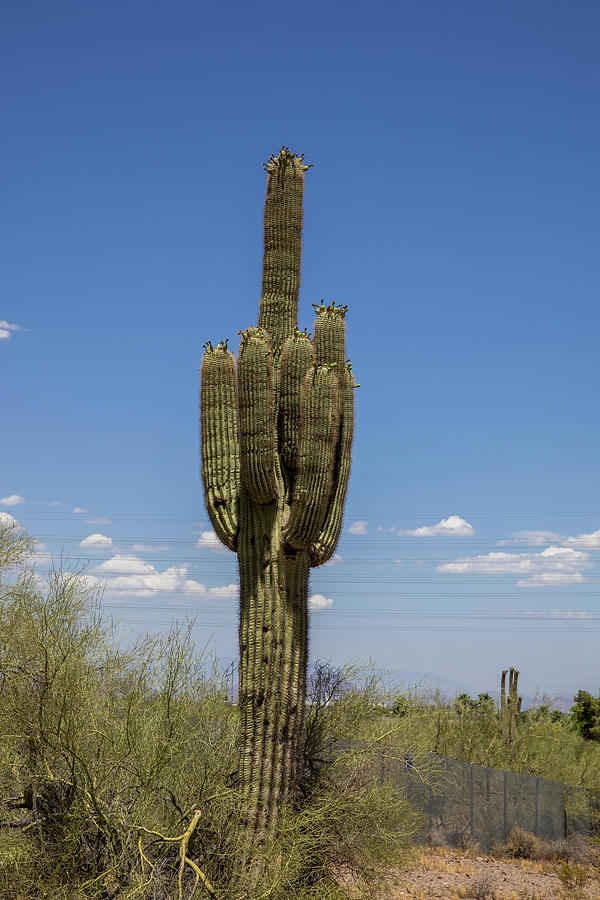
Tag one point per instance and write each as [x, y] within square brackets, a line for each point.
[453, 205]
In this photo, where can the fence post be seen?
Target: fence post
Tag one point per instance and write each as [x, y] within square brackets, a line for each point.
[471, 798]
[537, 805]
[505, 810]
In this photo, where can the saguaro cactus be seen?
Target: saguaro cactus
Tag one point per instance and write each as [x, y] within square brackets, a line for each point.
[510, 706]
[276, 435]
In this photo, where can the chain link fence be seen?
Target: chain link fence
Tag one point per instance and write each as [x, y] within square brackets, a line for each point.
[460, 800]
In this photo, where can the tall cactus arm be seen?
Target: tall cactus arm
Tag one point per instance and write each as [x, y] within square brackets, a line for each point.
[503, 707]
[296, 359]
[257, 416]
[330, 335]
[324, 546]
[319, 428]
[220, 442]
[283, 245]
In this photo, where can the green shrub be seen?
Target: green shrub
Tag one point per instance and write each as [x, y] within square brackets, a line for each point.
[116, 766]
[573, 878]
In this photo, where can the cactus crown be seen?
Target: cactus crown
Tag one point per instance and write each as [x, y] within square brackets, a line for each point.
[285, 159]
[210, 348]
[338, 310]
[303, 334]
[253, 332]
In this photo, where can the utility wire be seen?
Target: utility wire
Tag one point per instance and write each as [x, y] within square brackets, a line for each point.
[356, 514]
[374, 627]
[576, 616]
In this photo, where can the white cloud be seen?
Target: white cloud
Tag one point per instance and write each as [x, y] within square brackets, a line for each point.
[96, 541]
[533, 537]
[79, 509]
[550, 579]
[149, 548]
[127, 574]
[13, 500]
[41, 553]
[100, 521]
[208, 540]
[319, 601]
[589, 541]
[453, 525]
[54, 503]
[359, 527]
[561, 614]
[335, 560]
[554, 565]
[6, 329]
[7, 519]
[122, 563]
[227, 590]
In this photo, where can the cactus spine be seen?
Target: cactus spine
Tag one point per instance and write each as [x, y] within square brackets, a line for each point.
[276, 436]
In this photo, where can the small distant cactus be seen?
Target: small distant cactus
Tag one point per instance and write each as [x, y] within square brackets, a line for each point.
[510, 707]
[276, 436]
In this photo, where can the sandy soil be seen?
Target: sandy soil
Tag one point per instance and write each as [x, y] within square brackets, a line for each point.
[448, 874]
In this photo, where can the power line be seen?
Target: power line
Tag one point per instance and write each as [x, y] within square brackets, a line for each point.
[576, 616]
[225, 561]
[398, 541]
[356, 514]
[374, 627]
[128, 589]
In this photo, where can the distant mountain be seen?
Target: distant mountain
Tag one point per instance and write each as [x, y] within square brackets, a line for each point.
[403, 679]
[429, 682]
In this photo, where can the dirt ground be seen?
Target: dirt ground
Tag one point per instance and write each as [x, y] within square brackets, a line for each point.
[448, 874]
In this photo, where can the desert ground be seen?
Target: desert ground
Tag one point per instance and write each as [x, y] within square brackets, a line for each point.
[448, 874]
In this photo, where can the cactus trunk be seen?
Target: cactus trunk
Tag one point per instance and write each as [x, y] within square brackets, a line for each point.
[273, 650]
[276, 435]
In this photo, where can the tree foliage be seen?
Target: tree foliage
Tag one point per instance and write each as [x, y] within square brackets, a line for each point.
[585, 715]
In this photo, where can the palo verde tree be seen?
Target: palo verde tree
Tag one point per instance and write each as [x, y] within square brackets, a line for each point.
[276, 435]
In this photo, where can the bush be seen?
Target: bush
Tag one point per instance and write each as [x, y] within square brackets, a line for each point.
[482, 887]
[573, 878]
[522, 844]
[99, 745]
[574, 847]
[117, 764]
